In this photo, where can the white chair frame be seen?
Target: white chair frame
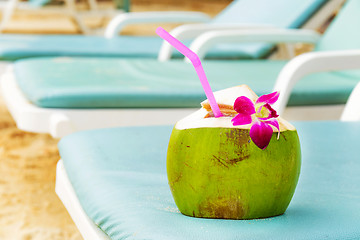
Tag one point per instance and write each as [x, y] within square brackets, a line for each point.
[67, 195]
[315, 62]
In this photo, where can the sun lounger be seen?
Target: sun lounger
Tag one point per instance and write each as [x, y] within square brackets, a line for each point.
[58, 95]
[41, 6]
[141, 103]
[241, 13]
[114, 191]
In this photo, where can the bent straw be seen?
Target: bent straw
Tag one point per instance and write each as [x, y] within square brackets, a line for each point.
[195, 60]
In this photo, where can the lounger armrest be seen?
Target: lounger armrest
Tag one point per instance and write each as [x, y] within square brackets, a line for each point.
[207, 40]
[191, 31]
[120, 21]
[308, 63]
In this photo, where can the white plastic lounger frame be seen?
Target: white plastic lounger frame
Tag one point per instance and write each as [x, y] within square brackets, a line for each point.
[60, 122]
[118, 23]
[67, 195]
[315, 62]
[203, 43]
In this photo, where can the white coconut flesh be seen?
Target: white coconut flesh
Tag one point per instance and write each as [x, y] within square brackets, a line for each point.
[225, 99]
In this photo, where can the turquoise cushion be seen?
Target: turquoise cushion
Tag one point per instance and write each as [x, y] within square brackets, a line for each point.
[138, 83]
[125, 191]
[39, 3]
[14, 47]
[23, 46]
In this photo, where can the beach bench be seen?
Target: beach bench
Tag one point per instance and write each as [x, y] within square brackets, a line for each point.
[114, 191]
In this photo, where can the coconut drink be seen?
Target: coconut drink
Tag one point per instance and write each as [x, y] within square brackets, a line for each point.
[216, 170]
[235, 158]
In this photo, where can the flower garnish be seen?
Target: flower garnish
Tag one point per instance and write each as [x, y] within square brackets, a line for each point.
[261, 115]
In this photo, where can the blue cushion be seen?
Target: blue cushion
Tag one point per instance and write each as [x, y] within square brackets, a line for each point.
[22, 46]
[139, 83]
[39, 3]
[14, 47]
[125, 192]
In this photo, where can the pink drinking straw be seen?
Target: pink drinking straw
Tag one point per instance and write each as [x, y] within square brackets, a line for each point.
[195, 60]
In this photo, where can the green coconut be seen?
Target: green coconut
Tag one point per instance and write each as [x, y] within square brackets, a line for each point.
[215, 170]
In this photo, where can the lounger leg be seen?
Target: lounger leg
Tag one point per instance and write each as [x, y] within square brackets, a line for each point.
[72, 12]
[93, 5]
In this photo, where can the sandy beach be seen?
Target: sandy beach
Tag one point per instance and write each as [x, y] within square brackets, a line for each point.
[29, 207]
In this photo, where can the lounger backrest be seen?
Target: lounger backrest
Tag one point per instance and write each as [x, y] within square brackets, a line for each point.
[281, 13]
[343, 32]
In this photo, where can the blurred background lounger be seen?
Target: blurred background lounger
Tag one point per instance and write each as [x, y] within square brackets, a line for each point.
[63, 95]
[8, 8]
[113, 191]
[238, 13]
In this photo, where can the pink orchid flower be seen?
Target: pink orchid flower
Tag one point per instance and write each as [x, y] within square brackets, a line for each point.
[260, 114]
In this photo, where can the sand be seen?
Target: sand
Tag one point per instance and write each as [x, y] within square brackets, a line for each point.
[29, 207]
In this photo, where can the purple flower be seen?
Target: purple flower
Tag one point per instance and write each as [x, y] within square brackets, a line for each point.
[260, 114]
